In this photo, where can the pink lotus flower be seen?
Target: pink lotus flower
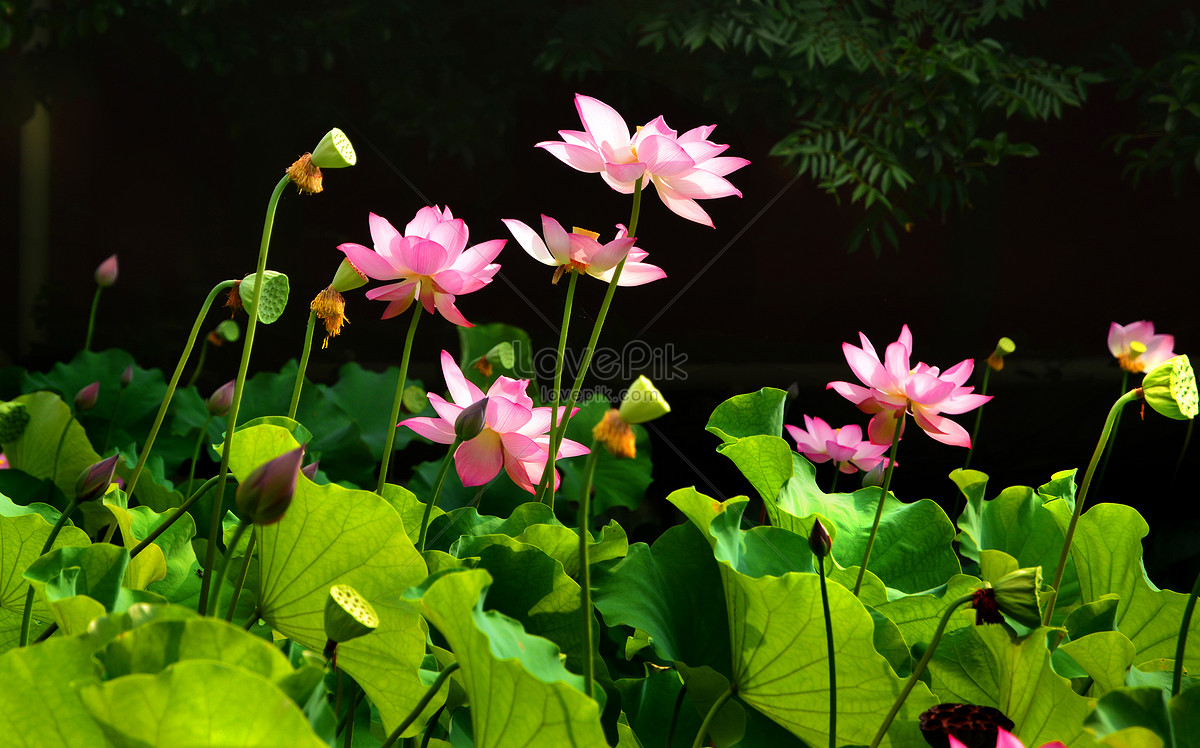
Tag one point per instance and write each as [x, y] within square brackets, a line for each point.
[431, 257]
[579, 251]
[683, 168]
[1122, 340]
[514, 435]
[893, 389]
[1005, 739]
[845, 446]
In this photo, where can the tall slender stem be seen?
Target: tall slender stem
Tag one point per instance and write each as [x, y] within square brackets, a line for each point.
[87, 343]
[214, 526]
[27, 614]
[832, 665]
[556, 395]
[308, 336]
[983, 390]
[712, 713]
[1113, 414]
[1181, 645]
[199, 363]
[113, 420]
[556, 437]
[420, 707]
[166, 403]
[241, 579]
[215, 591]
[883, 492]
[585, 571]
[196, 451]
[391, 427]
[837, 469]
[182, 510]
[437, 491]
[920, 668]
[1112, 439]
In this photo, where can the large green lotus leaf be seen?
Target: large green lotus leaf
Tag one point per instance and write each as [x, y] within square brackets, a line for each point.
[200, 704]
[618, 481]
[21, 541]
[917, 616]
[766, 461]
[748, 415]
[1125, 716]
[912, 550]
[650, 704]
[150, 565]
[38, 706]
[1018, 523]
[778, 638]
[562, 544]
[985, 665]
[175, 543]
[672, 591]
[704, 687]
[152, 647]
[411, 510]
[447, 527]
[1107, 551]
[519, 691]
[34, 452]
[1105, 656]
[333, 535]
[358, 394]
[530, 586]
[80, 584]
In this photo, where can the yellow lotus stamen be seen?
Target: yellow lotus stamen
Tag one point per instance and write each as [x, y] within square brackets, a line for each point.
[585, 232]
[616, 435]
[1131, 361]
[305, 175]
[330, 306]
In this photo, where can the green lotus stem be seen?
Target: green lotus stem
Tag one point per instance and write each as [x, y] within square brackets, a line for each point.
[1109, 423]
[1181, 646]
[708, 718]
[437, 492]
[241, 579]
[179, 512]
[47, 633]
[391, 428]
[196, 450]
[433, 721]
[883, 492]
[62, 437]
[27, 614]
[585, 571]
[253, 619]
[1112, 439]
[199, 363]
[214, 525]
[983, 390]
[111, 421]
[162, 409]
[215, 591]
[833, 483]
[832, 666]
[920, 668]
[547, 484]
[675, 714]
[348, 733]
[87, 342]
[547, 496]
[424, 702]
[308, 336]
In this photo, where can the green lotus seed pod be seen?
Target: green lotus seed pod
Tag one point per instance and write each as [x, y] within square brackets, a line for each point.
[501, 353]
[274, 295]
[1017, 596]
[14, 417]
[334, 151]
[1170, 388]
[347, 614]
[229, 330]
[643, 402]
[414, 399]
[347, 277]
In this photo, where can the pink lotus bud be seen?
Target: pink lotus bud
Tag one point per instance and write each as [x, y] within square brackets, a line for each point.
[127, 376]
[265, 496]
[106, 272]
[93, 481]
[310, 470]
[819, 540]
[471, 420]
[220, 401]
[86, 398]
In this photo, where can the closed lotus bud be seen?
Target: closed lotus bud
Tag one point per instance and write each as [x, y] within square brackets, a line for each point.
[873, 478]
[1017, 596]
[819, 541]
[471, 420]
[127, 376]
[93, 481]
[310, 470]
[1170, 388]
[264, 497]
[348, 277]
[86, 398]
[106, 272]
[221, 400]
[643, 402]
[14, 417]
[334, 151]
